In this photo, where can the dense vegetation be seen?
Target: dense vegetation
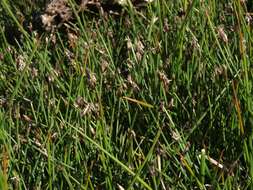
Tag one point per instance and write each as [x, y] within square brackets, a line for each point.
[147, 96]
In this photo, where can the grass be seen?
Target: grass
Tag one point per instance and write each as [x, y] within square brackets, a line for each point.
[157, 98]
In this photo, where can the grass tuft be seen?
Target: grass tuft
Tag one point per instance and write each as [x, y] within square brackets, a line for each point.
[139, 96]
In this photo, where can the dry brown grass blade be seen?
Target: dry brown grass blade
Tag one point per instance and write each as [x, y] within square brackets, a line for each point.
[237, 107]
